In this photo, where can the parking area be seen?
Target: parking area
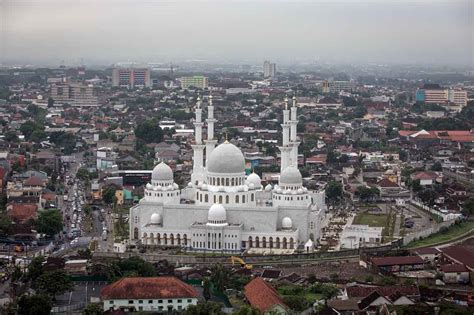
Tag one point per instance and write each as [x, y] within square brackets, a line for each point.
[84, 292]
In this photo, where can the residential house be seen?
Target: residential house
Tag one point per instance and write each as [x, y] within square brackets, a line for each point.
[455, 273]
[262, 296]
[153, 294]
[396, 263]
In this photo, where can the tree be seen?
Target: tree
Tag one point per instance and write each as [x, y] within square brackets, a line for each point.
[247, 310]
[93, 309]
[38, 304]
[82, 174]
[108, 194]
[35, 268]
[206, 293]
[428, 196]
[50, 102]
[5, 224]
[296, 302]
[53, 283]
[149, 131]
[219, 277]
[50, 222]
[437, 167]
[468, 207]
[207, 308]
[133, 266]
[334, 190]
[367, 193]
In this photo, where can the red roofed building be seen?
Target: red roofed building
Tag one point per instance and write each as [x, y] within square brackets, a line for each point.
[154, 294]
[397, 263]
[459, 254]
[262, 296]
[21, 212]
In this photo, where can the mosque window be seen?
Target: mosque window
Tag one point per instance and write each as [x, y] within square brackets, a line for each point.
[237, 199]
[252, 197]
[243, 198]
[220, 199]
[206, 198]
[227, 182]
[227, 199]
[215, 198]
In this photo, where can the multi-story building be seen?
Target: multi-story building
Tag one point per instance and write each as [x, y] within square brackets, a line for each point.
[131, 77]
[337, 86]
[451, 99]
[154, 294]
[269, 69]
[75, 94]
[197, 81]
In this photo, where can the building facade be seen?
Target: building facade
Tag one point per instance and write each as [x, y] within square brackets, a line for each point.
[75, 94]
[154, 294]
[269, 69]
[131, 77]
[197, 81]
[222, 209]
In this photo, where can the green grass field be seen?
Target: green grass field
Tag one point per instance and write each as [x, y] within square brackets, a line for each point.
[442, 237]
[370, 219]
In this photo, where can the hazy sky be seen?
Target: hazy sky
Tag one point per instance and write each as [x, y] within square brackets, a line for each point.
[108, 31]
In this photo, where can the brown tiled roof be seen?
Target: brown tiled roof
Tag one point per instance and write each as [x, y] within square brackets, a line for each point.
[344, 305]
[387, 183]
[397, 260]
[461, 253]
[262, 295]
[148, 288]
[271, 274]
[22, 212]
[361, 292]
[33, 181]
[454, 268]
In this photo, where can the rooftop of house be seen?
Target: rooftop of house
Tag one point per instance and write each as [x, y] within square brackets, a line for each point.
[262, 295]
[461, 253]
[148, 288]
[397, 260]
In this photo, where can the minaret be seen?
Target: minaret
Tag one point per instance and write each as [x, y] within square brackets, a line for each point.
[293, 138]
[198, 147]
[210, 142]
[285, 149]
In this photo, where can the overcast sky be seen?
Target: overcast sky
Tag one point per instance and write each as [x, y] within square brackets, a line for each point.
[108, 31]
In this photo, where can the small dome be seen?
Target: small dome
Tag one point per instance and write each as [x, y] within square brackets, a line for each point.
[251, 186]
[190, 185]
[255, 180]
[217, 214]
[300, 191]
[158, 187]
[149, 186]
[155, 218]
[204, 186]
[286, 223]
[291, 175]
[162, 172]
[226, 159]
[268, 187]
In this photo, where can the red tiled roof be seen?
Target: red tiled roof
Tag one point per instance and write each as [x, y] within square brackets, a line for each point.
[262, 295]
[425, 175]
[387, 183]
[461, 253]
[397, 260]
[454, 268]
[22, 212]
[34, 181]
[360, 292]
[148, 288]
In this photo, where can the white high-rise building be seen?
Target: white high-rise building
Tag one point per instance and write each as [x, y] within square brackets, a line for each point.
[224, 210]
[269, 69]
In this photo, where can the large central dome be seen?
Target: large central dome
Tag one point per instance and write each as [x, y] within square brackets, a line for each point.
[226, 159]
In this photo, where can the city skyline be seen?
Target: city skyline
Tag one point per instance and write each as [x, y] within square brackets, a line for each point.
[236, 31]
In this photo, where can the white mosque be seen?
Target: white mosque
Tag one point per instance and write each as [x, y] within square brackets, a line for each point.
[222, 209]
